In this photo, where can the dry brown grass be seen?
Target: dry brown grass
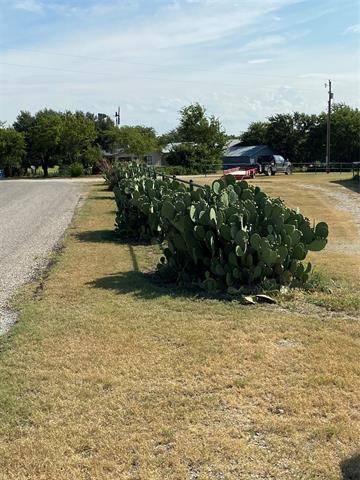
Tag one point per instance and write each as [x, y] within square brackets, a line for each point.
[110, 376]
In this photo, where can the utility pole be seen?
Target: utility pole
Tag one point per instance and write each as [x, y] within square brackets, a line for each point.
[117, 117]
[331, 96]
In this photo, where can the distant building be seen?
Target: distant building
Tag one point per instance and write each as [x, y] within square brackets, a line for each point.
[235, 153]
[154, 158]
[158, 158]
[120, 155]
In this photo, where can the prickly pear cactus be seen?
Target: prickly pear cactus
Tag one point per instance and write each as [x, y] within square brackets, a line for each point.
[221, 237]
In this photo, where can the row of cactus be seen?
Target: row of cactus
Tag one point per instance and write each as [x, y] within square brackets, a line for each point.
[222, 237]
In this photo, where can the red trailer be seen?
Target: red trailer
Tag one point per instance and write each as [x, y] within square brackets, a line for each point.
[242, 172]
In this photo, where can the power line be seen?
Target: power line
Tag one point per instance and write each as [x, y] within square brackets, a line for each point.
[49, 68]
[143, 77]
[154, 65]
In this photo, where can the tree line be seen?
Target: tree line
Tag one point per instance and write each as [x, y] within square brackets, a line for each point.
[66, 139]
[302, 138]
[75, 141]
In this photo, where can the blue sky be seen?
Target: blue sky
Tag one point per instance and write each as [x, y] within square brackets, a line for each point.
[244, 60]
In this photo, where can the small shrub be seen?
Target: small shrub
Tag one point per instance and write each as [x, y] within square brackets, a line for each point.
[76, 170]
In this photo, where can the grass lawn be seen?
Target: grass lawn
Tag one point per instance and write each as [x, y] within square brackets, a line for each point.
[108, 375]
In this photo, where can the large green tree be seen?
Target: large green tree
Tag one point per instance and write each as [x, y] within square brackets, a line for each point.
[59, 138]
[345, 133]
[24, 123]
[289, 133]
[46, 133]
[202, 140]
[196, 127]
[77, 135]
[256, 134]
[106, 132]
[12, 150]
[138, 139]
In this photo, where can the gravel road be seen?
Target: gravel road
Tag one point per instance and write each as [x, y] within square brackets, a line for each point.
[33, 217]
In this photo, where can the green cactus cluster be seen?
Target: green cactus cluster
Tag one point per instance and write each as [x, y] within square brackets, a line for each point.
[222, 237]
[140, 196]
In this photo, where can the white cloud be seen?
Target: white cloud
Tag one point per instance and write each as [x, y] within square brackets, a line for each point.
[264, 42]
[318, 13]
[154, 63]
[353, 29]
[32, 6]
[193, 22]
[259, 60]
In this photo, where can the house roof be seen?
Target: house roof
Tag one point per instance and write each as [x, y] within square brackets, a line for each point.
[232, 143]
[234, 149]
[118, 152]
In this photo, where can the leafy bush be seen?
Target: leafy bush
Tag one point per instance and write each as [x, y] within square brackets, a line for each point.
[222, 237]
[76, 170]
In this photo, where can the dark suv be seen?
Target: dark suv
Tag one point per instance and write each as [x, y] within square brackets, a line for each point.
[271, 164]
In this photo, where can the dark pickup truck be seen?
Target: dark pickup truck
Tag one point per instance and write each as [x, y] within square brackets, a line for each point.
[272, 164]
[248, 167]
